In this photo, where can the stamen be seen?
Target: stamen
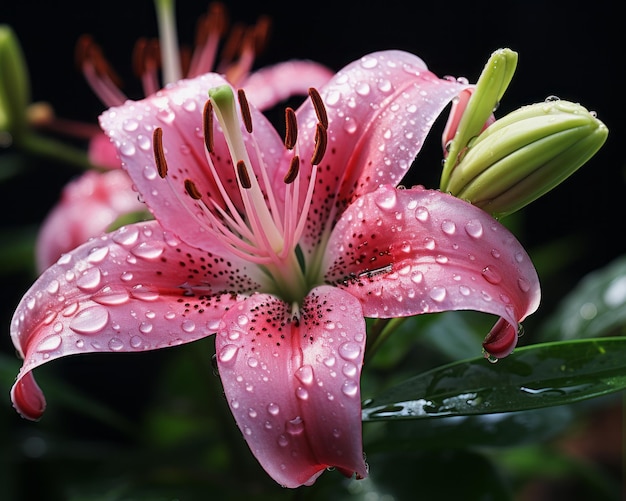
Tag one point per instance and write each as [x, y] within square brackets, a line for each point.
[318, 104]
[207, 126]
[159, 153]
[291, 128]
[321, 140]
[294, 169]
[245, 110]
[192, 189]
[244, 177]
[261, 33]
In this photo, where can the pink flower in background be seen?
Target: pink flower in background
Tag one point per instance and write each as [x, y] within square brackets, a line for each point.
[280, 247]
[88, 205]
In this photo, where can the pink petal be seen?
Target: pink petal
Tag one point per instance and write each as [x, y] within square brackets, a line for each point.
[294, 387]
[88, 206]
[135, 289]
[178, 111]
[102, 152]
[380, 110]
[268, 86]
[406, 252]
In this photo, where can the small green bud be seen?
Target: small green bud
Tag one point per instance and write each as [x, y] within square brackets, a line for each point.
[14, 84]
[492, 83]
[525, 154]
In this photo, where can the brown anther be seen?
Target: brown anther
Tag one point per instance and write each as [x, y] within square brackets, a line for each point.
[321, 140]
[207, 125]
[261, 33]
[159, 154]
[87, 52]
[192, 189]
[232, 44]
[242, 173]
[318, 104]
[291, 128]
[294, 169]
[245, 109]
[146, 56]
[214, 22]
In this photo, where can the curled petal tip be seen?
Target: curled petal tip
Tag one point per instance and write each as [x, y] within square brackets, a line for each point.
[28, 398]
[501, 340]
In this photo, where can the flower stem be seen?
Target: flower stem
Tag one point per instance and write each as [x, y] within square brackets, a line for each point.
[379, 332]
[49, 148]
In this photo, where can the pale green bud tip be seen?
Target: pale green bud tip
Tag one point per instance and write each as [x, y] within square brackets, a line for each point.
[525, 154]
[14, 84]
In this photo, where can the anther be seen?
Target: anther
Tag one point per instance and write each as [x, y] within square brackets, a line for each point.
[318, 104]
[192, 189]
[291, 128]
[207, 125]
[242, 173]
[245, 109]
[294, 169]
[321, 140]
[159, 154]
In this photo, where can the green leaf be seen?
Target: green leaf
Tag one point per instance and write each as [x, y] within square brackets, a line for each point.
[596, 307]
[532, 377]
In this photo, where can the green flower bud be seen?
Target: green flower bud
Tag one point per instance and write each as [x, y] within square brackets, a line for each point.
[525, 154]
[14, 84]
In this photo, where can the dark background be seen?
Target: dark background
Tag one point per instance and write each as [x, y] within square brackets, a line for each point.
[574, 51]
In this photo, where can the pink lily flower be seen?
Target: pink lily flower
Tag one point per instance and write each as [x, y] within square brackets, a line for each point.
[279, 247]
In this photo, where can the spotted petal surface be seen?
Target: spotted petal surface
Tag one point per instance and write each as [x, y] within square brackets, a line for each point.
[136, 289]
[293, 387]
[380, 110]
[412, 251]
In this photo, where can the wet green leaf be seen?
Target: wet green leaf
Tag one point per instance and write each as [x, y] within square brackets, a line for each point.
[532, 377]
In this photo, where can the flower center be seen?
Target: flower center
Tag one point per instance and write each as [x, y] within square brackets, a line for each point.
[259, 222]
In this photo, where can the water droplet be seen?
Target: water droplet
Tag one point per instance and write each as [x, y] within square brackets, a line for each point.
[295, 426]
[49, 343]
[143, 142]
[127, 149]
[282, 441]
[491, 274]
[350, 388]
[145, 327]
[148, 250]
[369, 62]
[474, 228]
[464, 290]
[253, 362]
[448, 227]
[144, 293]
[149, 172]
[350, 125]
[429, 243]
[165, 115]
[252, 413]
[349, 369]
[53, 287]
[349, 350]
[136, 342]
[362, 89]
[90, 321]
[302, 393]
[188, 326]
[305, 374]
[89, 280]
[127, 235]
[227, 353]
[438, 294]
[523, 284]
[242, 320]
[386, 200]
[273, 409]
[417, 277]
[130, 125]
[384, 85]
[116, 344]
[97, 254]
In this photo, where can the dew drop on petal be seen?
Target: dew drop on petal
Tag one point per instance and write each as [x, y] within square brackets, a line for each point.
[98, 254]
[387, 200]
[116, 344]
[295, 426]
[474, 228]
[422, 214]
[349, 350]
[282, 440]
[438, 294]
[227, 353]
[90, 321]
[492, 275]
[350, 388]
[89, 280]
[523, 284]
[49, 343]
[273, 409]
[302, 393]
[448, 227]
[305, 374]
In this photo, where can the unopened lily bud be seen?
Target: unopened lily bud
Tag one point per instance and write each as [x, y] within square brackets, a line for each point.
[14, 84]
[525, 154]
